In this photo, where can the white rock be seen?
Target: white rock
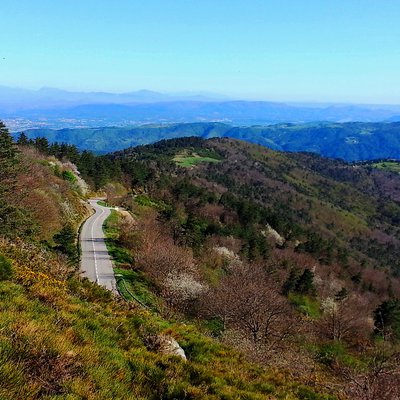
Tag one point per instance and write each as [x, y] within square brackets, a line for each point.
[168, 345]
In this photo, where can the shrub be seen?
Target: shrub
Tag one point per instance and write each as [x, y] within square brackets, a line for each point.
[69, 176]
[6, 269]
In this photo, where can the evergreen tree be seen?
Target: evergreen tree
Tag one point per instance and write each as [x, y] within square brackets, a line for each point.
[305, 283]
[66, 242]
[387, 318]
[8, 177]
[42, 144]
[23, 140]
[290, 283]
[13, 220]
[8, 160]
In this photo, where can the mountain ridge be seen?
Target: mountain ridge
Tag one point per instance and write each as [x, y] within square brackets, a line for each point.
[349, 141]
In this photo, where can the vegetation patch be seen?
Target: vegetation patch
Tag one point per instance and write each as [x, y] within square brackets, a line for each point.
[392, 166]
[146, 201]
[133, 286]
[306, 305]
[119, 254]
[190, 160]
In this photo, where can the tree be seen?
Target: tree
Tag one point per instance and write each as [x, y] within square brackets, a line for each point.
[11, 218]
[380, 380]
[66, 242]
[344, 319]
[23, 140]
[8, 161]
[305, 283]
[42, 144]
[290, 283]
[248, 302]
[387, 319]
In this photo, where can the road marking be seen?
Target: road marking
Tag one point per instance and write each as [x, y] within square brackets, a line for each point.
[94, 249]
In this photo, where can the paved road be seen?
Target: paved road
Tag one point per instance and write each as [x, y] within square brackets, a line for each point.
[96, 263]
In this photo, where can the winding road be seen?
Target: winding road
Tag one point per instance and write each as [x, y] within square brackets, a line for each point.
[96, 263]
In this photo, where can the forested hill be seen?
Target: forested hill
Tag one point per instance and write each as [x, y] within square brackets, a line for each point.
[267, 230]
[354, 141]
[276, 273]
[63, 337]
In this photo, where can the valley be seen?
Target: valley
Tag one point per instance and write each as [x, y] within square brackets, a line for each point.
[356, 141]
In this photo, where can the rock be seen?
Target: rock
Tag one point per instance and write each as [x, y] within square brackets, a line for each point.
[166, 344]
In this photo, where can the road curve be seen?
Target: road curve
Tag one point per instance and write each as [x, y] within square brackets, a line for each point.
[96, 263]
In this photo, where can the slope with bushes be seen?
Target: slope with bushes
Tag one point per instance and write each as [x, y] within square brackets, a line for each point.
[287, 257]
[62, 337]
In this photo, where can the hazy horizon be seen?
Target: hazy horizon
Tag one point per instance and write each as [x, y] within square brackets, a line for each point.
[284, 51]
[207, 94]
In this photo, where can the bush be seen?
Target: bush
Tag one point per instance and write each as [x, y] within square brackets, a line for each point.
[69, 176]
[6, 269]
[66, 242]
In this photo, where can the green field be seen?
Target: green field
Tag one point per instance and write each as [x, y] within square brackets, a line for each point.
[393, 166]
[192, 160]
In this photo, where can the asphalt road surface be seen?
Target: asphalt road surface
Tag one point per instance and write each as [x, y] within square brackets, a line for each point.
[96, 263]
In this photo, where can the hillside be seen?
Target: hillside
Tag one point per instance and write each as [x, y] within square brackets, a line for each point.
[62, 337]
[349, 141]
[290, 256]
[342, 202]
[277, 274]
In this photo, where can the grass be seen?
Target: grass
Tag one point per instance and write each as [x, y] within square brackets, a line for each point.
[334, 352]
[393, 166]
[102, 203]
[306, 305]
[119, 254]
[74, 341]
[134, 286]
[186, 161]
[145, 201]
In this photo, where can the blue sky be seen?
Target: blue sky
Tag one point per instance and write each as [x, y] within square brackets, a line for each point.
[284, 50]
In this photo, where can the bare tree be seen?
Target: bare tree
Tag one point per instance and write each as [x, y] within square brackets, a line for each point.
[345, 319]
[380, 380]
[248, 302]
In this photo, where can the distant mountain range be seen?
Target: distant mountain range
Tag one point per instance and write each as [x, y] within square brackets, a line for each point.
[55, 108]
[15, 100]
[354, 141]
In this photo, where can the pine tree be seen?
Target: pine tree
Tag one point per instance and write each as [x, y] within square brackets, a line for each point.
[305, 283]
[290, 283]
[8, 176]
[42, 144]
[23, 140]
[8, 161]
[13, 220]
[387, 318]
[65, 242]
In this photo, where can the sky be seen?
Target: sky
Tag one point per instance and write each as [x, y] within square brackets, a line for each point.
[280, 50]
